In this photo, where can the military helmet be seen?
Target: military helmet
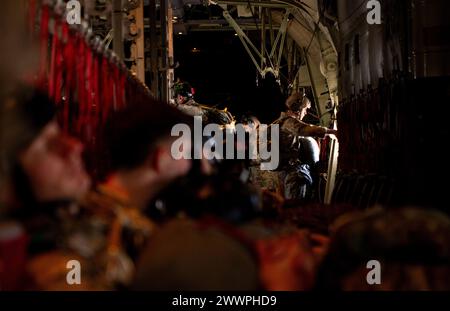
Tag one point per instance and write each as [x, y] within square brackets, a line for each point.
[184, 89]
[297, 102]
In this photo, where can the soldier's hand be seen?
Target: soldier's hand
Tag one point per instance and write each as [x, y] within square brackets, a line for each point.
[332, 132]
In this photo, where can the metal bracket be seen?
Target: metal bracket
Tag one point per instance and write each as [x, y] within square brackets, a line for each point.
[274, 59]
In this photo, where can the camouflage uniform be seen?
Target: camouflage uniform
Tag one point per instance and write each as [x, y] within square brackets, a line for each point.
[106, 237]
[298, 156]
[191, 108]
[208, 114]
[411, 244]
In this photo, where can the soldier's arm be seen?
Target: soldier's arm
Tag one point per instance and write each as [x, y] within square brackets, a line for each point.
[300, 128]
[191, 110]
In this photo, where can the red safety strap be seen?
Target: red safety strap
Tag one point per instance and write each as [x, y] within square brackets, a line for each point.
[31, 15]
[81, 51]
[107, 89]
[44, 36]
[70, 58]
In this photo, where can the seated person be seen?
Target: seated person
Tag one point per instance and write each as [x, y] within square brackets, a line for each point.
[412, 246]
[106, 229]
[200, 245]
[139, 145]
[47, 176]
[214, 236]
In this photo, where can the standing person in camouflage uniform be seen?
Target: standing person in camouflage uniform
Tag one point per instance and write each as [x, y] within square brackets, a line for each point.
[299, 151]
